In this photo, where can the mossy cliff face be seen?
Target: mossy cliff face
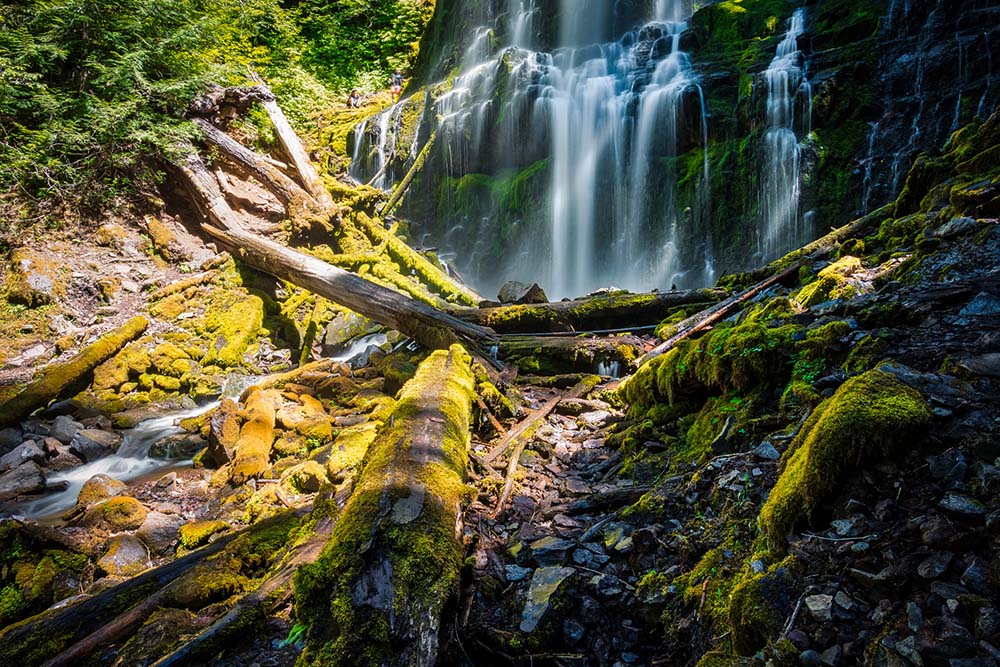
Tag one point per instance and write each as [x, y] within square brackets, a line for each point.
[392, 564]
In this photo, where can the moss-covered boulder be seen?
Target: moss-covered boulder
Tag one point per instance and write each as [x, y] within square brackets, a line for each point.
[33, 279]
[253, 449]
[100, 487]
[194, 535]
[126, 556]
[869, 416]
[115, 514]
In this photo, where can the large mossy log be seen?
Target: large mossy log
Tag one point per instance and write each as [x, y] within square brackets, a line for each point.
[605, 311]
[59, 378]
[555, 355]
[376, 594]
[428, 326]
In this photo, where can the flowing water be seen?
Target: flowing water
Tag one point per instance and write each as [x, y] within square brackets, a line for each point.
[607, 118]
[786, 86]
[132, 461]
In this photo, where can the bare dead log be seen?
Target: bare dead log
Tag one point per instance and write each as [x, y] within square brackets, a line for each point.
[707, 317]
[426, 325]
[605, 311]
[297, 153]
[250, 163]
[181, 285]
[521, 434]
[57, 378]
[394, 558]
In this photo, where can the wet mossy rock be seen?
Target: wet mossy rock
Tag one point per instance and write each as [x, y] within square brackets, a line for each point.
[253, 449]
[376, 594]
[870, 416]
[57, 379]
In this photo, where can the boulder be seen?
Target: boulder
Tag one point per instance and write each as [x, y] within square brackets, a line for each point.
[126, 556]
[10, 438]
[116, 514]
[159, 531]
[33, 279]
[63, 429]
[223, 434]
[523, 293]
[100, 487]
[91, 444]
[344, 327]
[26, 478]
[61, 457]
[544, 584]
[26, 451]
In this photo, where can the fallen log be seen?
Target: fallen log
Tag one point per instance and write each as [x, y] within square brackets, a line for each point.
[394, 559]
[428, 326]
[253, 449]
[418, 163]
[605, 311]
[221, 630]
[249, 163]
[699, 321]
[521, 434]
[554, 355]
[58, 378]
[296, 152]
[181, 285]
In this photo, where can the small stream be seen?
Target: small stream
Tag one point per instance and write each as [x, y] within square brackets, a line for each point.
[132, 460]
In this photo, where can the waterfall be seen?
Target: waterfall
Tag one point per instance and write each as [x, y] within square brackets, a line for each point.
[786, 82]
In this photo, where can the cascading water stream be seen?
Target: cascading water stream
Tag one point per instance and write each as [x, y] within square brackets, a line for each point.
[132, 459]
[786, 82]
[608, 120]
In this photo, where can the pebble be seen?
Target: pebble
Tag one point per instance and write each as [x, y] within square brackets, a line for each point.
[550, 550]
[914, 616]
[962, 505]
[766, 451]
[516, 572]
[810, 658]
[820, 606]
[935, 565]
[544, 583]
[977, 577]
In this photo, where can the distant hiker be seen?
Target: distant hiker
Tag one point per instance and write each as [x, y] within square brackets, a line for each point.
[397, 85]
[354, 99]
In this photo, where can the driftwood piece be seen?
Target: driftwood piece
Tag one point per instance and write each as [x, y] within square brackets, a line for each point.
[181, 285]
[297, 153]
[394, 558]
[425, 324]
[250, 163]
[705, 318]
[58, 378]
[604, 311]
[418, 163]
[521, 434]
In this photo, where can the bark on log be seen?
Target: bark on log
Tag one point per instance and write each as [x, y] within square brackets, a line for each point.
[699, 321]
[250, 164]
[394, 559]
[300, 159]
[57, 378]
[426, 325]
[606, 311]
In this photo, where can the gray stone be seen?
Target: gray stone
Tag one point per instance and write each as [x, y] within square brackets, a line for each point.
[914, 616]
[962, 505]
[607, 585]
[844, 601]
[947, 590]
[847, 527]
[935, 530]
[63, 458]
[820, 606]
[572, 631]
[92, 444]
[344, 327]
[63, 428]
[26, 478]
[26, 451]
[515, 292]
[987, 622]
[10, 438]
[516, 572]
[977, 577]
[544, 584]
[935, 565]
[583, 557]
[908, 649]
[833, 655]
[985, 304]
[766, 452]
[810, 658]
[159, 531]
[126, 557]
[550, 550]
[956, 227]
[100, 487]
[985, 364]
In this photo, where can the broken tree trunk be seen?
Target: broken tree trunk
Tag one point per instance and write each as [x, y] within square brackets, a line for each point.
[552, 355]
[394, 558]
[426, 325]
[521, 434]
[605, 311]
[58, 378]
[248, 163]
[297, 153]
[397, 194]
[699, 321]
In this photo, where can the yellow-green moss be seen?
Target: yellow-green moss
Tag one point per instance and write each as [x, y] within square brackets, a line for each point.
[193, 535]
[118, 513]
[831, 283]
[233, 329]
[253, 449]
[349, 449]
[759, 605]
[871, 415]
